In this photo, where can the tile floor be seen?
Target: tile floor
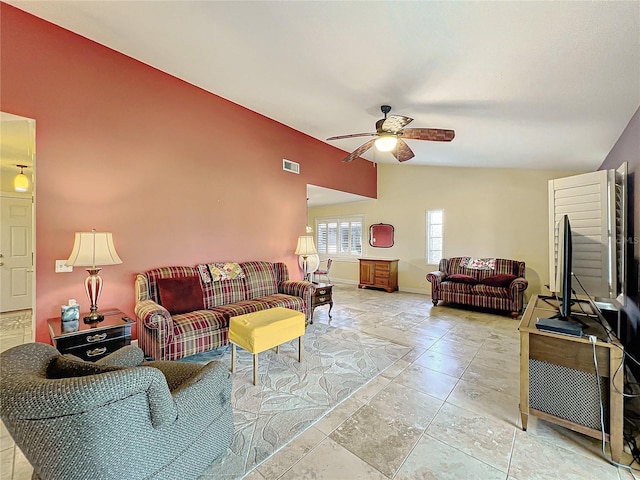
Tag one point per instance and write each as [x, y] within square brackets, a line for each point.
[446, 410]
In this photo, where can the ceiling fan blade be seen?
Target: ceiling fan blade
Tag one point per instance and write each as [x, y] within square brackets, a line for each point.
[433, 134]
[395, 123]
[353, 135]
[402, 152]
[359, 151]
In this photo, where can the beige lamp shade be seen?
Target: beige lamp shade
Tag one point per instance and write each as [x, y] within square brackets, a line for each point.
[91, 249]
[305, 245]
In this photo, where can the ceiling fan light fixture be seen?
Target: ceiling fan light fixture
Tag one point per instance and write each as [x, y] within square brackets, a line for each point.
[386, 143]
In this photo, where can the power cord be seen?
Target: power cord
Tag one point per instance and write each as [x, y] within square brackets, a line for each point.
[610, 339]
[593, 340]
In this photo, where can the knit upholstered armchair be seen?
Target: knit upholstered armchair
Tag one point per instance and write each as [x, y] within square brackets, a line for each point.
[118, 418]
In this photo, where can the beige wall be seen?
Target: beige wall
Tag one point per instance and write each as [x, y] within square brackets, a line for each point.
[488, 213]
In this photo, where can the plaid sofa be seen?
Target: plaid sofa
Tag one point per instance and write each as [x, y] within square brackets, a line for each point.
[166, 336]
[487, 283]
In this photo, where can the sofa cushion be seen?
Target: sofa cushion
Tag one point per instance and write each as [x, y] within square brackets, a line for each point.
[489, 291]
[261, 279]
[500, 280]
[197, 322]
[456, 287]
[181, 294]
[224, 292]
[461, 278]
[286, 301]
[242, 308]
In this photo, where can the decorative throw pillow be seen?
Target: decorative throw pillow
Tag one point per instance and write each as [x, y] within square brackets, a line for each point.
[225, 271]
[461, 278]
[67, 366]
[180, 294]
[501, 280]
[203, 270]
[234, 271]
[479, 263]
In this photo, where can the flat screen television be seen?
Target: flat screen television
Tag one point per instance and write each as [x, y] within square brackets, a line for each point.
[563, 268]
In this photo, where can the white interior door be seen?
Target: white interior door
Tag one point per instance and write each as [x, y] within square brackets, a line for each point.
[16, 253]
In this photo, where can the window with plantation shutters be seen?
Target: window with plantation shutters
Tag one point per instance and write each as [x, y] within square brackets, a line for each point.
[340, 237]
[595, 204]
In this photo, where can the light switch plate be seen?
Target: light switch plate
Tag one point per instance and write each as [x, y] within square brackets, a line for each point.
[62, 267]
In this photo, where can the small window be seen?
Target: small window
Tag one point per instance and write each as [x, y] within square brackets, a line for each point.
[340, 236]
[435, 233]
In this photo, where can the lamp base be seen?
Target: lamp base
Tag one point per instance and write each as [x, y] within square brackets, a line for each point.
[94, 317]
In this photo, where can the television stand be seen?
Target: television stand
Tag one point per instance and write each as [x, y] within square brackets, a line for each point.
[548, 299]
[557, 377]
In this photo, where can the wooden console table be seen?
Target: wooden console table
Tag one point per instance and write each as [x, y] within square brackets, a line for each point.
[557, 375]
[379, 274]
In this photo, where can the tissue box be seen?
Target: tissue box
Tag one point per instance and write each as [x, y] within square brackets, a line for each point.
[70, 313]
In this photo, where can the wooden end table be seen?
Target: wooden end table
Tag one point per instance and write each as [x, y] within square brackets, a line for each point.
[92, 342]
[323, 295]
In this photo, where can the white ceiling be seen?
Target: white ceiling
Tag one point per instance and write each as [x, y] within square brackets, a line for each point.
[542, 85]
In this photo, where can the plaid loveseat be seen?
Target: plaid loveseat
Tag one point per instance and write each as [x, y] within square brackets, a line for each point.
[252, 287]
[496, 283]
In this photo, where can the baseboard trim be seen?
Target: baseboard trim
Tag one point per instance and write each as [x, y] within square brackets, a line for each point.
[343, 280]
[419, 291]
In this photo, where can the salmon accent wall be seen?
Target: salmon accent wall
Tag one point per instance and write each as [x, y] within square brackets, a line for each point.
[179, 175]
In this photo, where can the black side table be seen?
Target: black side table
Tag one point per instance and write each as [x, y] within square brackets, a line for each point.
[92, 342]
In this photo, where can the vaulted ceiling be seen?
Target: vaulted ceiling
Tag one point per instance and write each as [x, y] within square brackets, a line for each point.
[548, 85]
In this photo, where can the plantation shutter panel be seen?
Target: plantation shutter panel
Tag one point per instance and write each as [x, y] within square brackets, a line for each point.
[322, 237]
[356, 238]
[332, 237]
[344, 237]
[621, 227]
[589, 201]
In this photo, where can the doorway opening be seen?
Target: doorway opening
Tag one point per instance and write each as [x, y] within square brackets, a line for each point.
[17, 231]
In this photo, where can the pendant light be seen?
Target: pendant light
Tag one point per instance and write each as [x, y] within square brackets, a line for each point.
[21, 182]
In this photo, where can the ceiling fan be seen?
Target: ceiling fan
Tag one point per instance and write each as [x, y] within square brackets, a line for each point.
[390, 133]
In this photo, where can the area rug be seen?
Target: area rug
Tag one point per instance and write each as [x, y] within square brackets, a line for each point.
[292, 396]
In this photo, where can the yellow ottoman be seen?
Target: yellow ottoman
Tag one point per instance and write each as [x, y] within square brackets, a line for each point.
[260, 331]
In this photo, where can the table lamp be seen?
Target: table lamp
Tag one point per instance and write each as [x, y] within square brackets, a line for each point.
[305, 248]
[93, 249]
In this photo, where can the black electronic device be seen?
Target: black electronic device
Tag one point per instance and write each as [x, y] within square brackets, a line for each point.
[559, 326]
[564, 267]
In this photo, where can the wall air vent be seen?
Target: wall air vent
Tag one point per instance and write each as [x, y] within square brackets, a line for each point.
[290, 166]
